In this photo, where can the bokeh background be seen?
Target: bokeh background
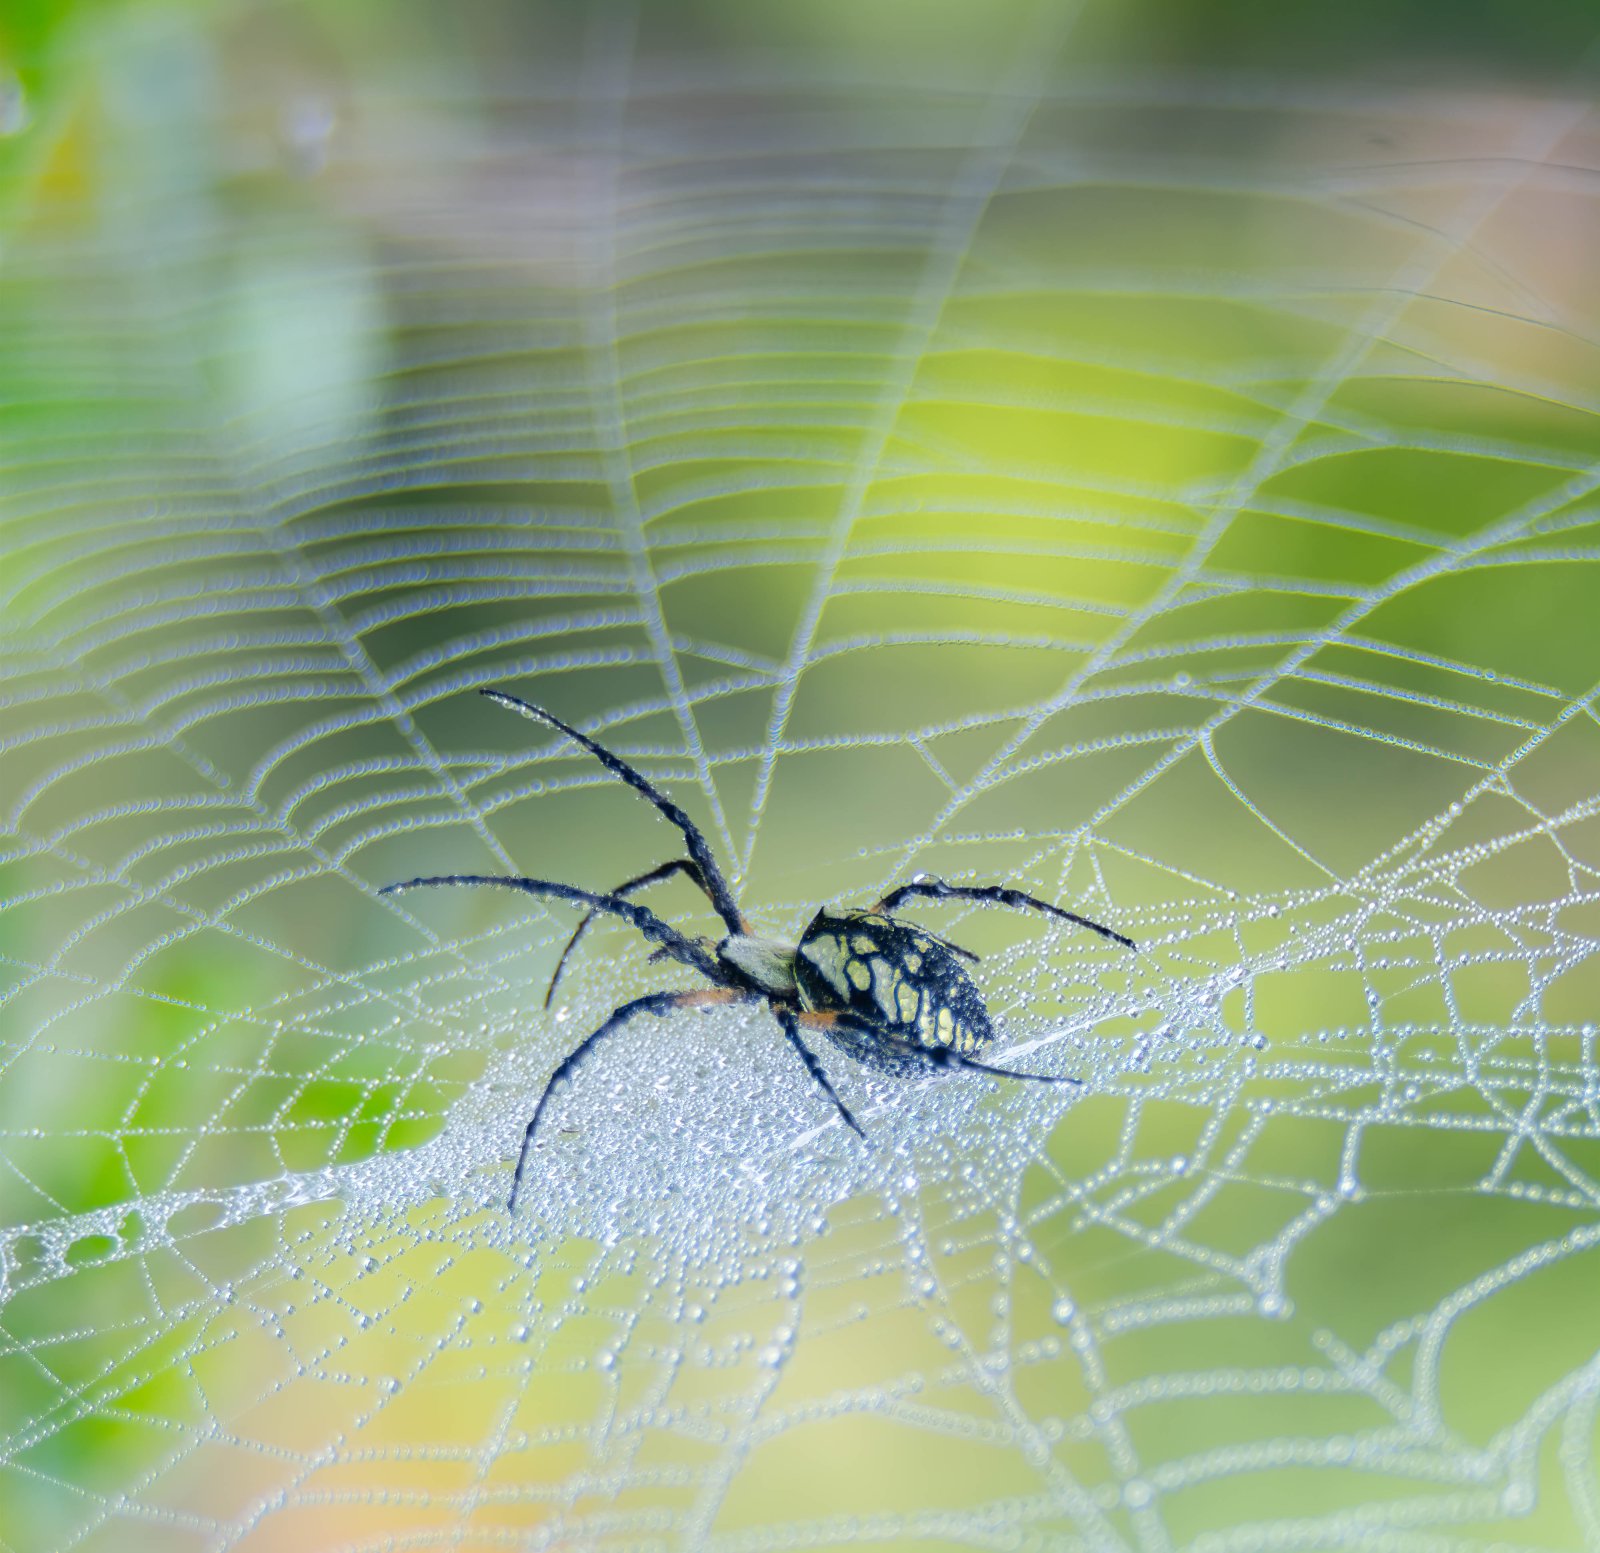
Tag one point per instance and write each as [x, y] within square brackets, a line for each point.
[1147, 451]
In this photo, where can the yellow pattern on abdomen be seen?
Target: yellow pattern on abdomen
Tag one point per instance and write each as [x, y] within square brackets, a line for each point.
[828, 954]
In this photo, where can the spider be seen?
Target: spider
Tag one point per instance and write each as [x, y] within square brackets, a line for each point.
[890, 994]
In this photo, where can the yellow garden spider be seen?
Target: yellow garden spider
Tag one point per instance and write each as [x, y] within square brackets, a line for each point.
[890, 994]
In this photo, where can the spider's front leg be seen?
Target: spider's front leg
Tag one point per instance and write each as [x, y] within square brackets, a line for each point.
[646, 921]
[657, 955]
[679, 865]
[657, 1003]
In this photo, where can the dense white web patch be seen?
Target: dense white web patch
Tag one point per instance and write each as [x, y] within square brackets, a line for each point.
[1176, 500]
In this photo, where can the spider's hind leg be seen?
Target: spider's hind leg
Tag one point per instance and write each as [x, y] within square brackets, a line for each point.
[907, 1057]
[949, 1059]
[996, 894]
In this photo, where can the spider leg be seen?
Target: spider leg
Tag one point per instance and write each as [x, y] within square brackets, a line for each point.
[1000, 895]
[791, 1028]
[949, 1059]
[657, 1003]
[646, 921]
[713, 883]
[679, 865]
[942, 1056]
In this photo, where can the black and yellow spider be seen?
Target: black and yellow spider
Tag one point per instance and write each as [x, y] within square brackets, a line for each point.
[890, 994]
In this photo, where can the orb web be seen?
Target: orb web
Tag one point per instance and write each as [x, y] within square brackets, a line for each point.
[1172, 497]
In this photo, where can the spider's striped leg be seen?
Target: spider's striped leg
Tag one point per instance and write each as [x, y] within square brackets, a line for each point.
[949, 1059]
[998, 894]
[683, 949]
[699, 848]
[679, 865]
[791, 1023]
[657, 1003]
[943, 1056]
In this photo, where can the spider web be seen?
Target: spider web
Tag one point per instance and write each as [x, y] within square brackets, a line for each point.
[1173, 496]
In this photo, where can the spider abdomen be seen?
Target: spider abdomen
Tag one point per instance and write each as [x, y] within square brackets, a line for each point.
[908, 986]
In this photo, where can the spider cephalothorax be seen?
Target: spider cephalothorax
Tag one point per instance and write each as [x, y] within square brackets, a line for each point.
[891, 994]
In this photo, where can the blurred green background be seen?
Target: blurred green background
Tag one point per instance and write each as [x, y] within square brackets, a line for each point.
[1144, 450]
